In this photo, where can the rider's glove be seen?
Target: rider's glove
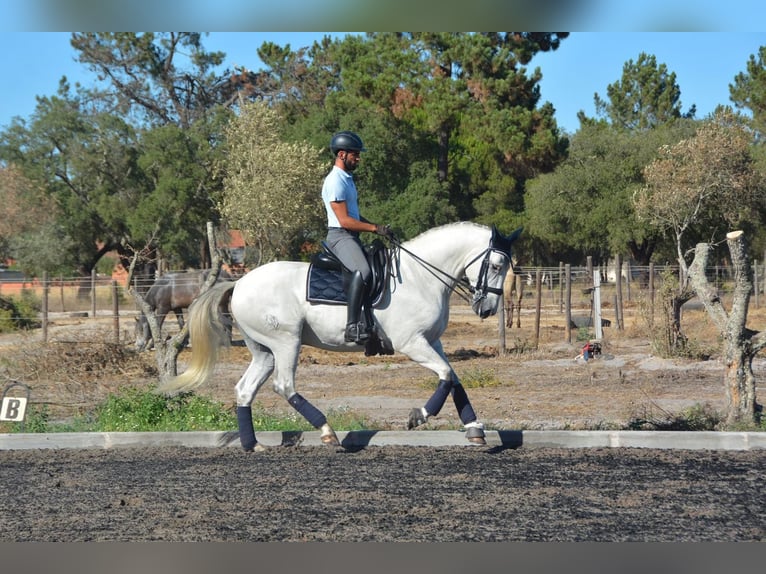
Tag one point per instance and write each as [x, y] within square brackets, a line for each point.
[384, 230]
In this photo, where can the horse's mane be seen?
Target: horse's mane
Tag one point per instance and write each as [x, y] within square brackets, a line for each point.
[464, 224]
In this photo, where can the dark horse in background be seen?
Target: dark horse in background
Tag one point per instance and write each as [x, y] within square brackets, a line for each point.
[173, 292]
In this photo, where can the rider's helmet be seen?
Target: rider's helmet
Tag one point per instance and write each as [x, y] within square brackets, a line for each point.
[346, 141]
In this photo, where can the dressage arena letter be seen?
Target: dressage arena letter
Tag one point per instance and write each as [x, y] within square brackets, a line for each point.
[13, 409]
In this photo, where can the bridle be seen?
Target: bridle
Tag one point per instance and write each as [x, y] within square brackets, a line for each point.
[462, 287]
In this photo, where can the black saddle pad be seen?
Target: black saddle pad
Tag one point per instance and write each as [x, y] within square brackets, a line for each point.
[325, 286]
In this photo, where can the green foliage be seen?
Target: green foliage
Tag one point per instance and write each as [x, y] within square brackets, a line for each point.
[136, 410]
[271, 187]
[749, 89]
[586, 205]
[646, 96]
[19, 312]
[479, 378]
[37, 420]
[471, 378]
[340, 419]
[452, 121]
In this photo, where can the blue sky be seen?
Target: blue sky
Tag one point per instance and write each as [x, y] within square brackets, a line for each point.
[705, 64]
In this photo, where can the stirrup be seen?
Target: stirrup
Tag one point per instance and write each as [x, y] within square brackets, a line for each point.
[357, 333]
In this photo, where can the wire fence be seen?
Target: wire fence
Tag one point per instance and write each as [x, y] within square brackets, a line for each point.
[545, 290]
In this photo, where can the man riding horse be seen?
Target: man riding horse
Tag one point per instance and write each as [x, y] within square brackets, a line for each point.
[344, 224]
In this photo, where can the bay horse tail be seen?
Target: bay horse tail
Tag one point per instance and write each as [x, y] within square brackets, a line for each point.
[207, 333]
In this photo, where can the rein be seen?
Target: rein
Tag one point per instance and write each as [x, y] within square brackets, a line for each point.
[461, 287]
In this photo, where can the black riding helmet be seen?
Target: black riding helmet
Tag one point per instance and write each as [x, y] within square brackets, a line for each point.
[346, 141]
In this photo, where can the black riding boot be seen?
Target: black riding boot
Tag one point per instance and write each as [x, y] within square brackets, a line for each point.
[356, 329]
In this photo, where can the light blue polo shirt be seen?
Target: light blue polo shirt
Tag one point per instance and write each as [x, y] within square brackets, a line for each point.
[339, 186]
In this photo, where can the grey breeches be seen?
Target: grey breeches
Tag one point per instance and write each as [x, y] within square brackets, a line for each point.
[349, 249]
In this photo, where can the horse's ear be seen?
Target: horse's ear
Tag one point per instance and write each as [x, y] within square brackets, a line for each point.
[503, 243]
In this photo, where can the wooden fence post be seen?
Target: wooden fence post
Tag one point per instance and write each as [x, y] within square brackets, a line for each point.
[538, 305]
[501, 325]
[618, 292]
[116, 312]
[45, 307]
[651, 294]
[568, 301]
[93, 293]
[561, 286]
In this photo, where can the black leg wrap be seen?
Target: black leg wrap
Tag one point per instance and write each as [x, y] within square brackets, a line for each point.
[463, 405]
[246, 430]
[436, 402]
[307, 410]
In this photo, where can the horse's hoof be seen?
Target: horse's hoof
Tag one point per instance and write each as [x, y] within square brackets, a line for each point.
[475, 435]
[330, 439]
[416, 419]
[257, 448]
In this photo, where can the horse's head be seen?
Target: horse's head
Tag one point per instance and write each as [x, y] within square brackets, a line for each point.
[143, 334]
[488, 281]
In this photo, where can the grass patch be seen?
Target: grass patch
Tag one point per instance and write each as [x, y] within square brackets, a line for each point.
[137, 410]
[472, 378]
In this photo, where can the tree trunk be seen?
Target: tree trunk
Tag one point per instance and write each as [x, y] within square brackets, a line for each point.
[442, 161]
[740, 344]
[167, 351]
[740, 386]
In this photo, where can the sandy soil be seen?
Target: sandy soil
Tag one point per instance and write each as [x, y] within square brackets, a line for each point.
[464, 494]
[525, 388]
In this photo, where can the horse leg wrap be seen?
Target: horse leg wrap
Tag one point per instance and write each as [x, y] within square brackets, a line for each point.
[307, 410]
[463, 405]
[246, 430]
[436, 402]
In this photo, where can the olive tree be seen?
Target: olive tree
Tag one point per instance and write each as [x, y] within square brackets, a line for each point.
[697, 188]
[271, 187]
[740, 344]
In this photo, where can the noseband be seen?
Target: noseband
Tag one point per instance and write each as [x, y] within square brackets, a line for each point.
[482, 287]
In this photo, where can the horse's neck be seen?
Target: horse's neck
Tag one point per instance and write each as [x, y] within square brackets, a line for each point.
[449, 249]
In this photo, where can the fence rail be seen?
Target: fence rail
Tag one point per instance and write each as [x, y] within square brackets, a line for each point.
[544, 290]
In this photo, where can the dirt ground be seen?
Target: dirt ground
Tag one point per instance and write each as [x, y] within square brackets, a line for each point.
[382, 494]
[465, 494]
[525, 388]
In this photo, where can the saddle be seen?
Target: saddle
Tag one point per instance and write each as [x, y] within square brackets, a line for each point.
[326, 282]
[327, 276]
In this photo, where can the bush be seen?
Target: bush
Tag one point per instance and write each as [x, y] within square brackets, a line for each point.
[695, 418]
[19, 312]
[138, 410]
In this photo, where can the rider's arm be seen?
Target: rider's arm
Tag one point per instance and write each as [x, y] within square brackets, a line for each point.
[347, 222]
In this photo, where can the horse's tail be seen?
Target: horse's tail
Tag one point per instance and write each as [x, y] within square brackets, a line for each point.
[207, 334]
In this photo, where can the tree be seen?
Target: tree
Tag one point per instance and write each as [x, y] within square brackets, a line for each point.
[129, 161]
[166, 84]
[166, 350]
[586, 204]
[749, 90]
[23, 209]
[695, 188]
[646, 96]
[157, 78]
[740, 344]
[83, 162]
[271, 187]
[454, 116]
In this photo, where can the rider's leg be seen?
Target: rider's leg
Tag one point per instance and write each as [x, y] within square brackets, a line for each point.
[349, 249]
[356, 327]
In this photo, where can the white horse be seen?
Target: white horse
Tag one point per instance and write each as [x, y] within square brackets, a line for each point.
[270, 308]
